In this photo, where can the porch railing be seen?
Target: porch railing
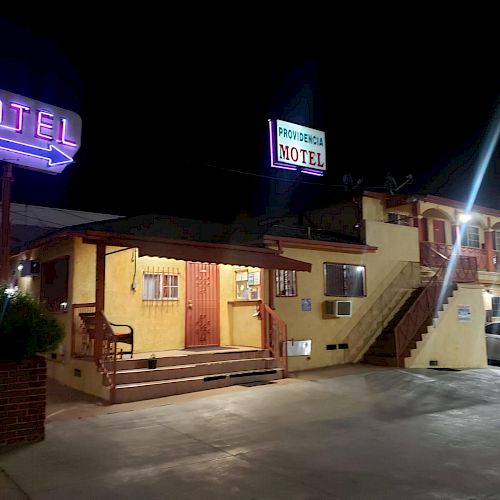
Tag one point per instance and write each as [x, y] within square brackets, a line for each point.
[84, 338]
[431, 254]
[82, 344]
[274, 335]
[426, 305]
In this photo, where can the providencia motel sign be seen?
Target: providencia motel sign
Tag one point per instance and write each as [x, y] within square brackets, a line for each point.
[33, 135]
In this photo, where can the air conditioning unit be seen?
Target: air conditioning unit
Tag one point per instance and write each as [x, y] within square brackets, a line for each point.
[338, 308]
[29, 267]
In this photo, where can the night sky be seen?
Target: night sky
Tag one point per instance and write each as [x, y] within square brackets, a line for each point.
[175, 107]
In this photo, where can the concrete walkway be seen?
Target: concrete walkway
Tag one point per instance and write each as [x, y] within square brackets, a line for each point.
[350, 433]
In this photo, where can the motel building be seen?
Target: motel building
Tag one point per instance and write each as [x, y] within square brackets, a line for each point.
[221, 304]
[157, 305]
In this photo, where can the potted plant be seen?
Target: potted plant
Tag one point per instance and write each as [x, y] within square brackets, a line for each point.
[152, 361]
[26, 330]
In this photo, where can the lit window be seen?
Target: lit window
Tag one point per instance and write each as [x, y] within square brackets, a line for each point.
[160, 286]
[344, 280]
[247, 285]
[471, 237]
[497, 240]
[286, 283]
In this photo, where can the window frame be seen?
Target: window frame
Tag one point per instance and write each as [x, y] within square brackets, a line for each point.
[495, 300]
[159, 290]
[345, 279]
[466, 237]
[277, 281]
[54, 303]
[249, 286]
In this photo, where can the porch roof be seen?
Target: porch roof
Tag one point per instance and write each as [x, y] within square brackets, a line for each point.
[218, 253]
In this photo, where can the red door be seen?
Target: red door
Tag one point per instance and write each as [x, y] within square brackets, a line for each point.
[439, 234]
[202, 304]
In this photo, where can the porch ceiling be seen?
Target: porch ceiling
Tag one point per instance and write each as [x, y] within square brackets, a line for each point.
[217, 253]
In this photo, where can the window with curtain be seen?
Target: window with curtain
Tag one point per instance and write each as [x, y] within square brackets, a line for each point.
[344, 280]
[160, 286]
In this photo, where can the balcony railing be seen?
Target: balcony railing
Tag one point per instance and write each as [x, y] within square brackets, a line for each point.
[433, 255]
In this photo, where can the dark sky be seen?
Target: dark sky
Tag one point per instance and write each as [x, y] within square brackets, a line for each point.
[175, 105]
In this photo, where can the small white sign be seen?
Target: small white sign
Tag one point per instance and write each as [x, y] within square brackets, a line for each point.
[464, 312]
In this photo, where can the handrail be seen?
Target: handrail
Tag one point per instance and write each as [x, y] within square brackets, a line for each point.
[414, 318]
[274, 332]
[108, 351]
[464, 271]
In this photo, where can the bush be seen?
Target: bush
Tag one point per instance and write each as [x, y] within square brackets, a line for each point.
[26, 328]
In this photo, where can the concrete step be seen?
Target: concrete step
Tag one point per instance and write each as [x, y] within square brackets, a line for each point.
[139, 375]
[191, 358]
[125, 393]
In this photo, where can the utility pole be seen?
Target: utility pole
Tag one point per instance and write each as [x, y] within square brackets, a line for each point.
[7, 180]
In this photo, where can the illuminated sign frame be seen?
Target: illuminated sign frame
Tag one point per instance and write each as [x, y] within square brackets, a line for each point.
[36, 135]
[295, 147]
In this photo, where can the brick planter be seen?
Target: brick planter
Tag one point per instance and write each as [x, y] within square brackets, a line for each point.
[23, 394]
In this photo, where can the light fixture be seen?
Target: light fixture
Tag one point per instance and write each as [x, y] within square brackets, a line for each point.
[464, 218]
[20, 267]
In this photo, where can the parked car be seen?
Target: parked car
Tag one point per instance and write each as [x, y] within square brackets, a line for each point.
[492, 331]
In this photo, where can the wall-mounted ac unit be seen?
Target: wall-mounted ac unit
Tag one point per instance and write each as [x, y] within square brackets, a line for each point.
[338, 308]
[29, 267]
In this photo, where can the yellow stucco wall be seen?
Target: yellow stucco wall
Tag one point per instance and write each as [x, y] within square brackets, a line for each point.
[158, 325]
[237, 325]
[373, 209]
[31, 284]
[396, 245]
[454, 343]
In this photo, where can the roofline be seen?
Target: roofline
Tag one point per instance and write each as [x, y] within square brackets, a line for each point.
[330, 246]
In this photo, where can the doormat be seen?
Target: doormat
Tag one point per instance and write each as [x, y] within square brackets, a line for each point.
[252, 384]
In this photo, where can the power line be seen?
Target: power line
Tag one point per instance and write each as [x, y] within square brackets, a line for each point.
[297, 181]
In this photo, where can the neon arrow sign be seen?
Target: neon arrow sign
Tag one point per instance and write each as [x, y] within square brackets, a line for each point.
[54, 155]
[37, 135]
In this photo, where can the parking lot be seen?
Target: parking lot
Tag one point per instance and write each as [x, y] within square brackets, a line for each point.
[348, 433]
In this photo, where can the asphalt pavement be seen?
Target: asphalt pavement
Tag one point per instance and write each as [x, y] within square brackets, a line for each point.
[354, 432]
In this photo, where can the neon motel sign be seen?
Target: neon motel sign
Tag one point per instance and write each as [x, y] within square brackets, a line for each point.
[294, 147]
[36, 135]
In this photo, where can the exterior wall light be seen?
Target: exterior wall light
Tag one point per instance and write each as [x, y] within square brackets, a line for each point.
[464, 218]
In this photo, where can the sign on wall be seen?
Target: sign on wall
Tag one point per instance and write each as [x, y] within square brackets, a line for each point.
[295, 147]
[464, 312]
[37, 135]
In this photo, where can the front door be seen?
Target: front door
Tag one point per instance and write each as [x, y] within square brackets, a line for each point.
[439, 234]
[202, 304]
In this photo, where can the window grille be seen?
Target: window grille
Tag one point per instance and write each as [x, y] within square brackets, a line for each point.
[286, 283]
[160, 284]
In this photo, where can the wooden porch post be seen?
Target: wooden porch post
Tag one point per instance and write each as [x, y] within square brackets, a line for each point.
[100, 271]
[488, 246]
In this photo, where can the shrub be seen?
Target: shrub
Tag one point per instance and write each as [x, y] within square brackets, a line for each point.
[26, 328]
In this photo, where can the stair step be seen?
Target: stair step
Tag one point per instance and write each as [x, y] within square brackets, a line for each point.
[160, 388]
[192, 358]
[138, 375]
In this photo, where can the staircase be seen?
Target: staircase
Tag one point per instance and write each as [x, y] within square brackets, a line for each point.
[383, 351]
[191, 372]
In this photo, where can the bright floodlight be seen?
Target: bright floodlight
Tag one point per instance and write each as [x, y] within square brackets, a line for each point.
[464, 218]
